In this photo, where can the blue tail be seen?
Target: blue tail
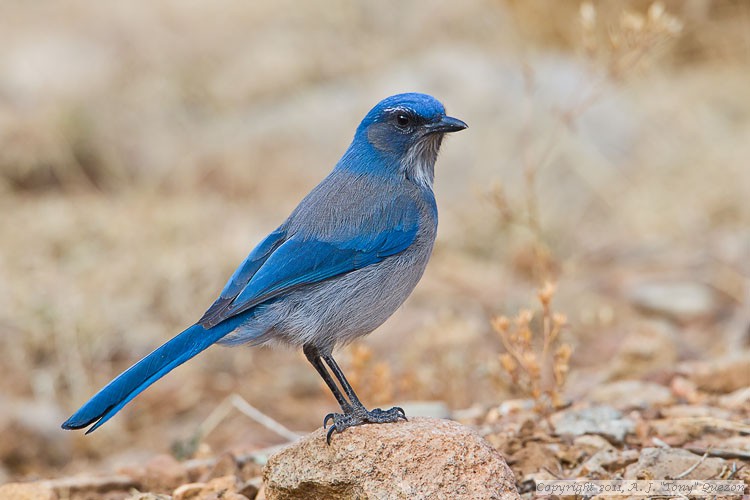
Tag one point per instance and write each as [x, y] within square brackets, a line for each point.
[145, 372]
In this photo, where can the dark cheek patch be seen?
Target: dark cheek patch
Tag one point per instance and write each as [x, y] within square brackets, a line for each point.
[381, 137]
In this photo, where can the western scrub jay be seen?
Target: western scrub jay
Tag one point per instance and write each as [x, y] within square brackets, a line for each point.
[339, 266]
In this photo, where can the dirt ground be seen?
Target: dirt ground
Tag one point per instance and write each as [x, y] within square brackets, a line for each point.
[145, 147]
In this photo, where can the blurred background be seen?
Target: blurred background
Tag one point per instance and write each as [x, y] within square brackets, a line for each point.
[145, 147]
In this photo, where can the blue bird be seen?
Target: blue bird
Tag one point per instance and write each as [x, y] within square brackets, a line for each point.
[339, 266]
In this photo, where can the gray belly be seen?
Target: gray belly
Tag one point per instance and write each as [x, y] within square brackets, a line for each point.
[338, 310]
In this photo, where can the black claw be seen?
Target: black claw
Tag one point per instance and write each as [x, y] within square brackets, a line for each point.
[358, 416]
[329, 434]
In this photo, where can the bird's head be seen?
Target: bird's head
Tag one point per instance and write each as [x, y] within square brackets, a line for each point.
[404, 132]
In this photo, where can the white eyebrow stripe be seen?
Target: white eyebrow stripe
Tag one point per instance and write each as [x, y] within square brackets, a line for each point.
[397, 108]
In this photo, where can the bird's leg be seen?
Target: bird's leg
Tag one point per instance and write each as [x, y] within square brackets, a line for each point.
[356, 413]
[348, 389]
[313, 356]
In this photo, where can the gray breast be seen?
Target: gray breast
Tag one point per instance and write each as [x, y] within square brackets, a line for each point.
[342, 309]
[346, 307]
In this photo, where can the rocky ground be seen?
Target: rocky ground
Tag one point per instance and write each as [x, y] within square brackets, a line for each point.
[678, 428]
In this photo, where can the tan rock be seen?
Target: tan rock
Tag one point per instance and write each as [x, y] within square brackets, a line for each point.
[576, 453]
[736, 400]
[678, 301]
[626, 394]
[89, 486]
[603, 420]
[663, 463]
[720, 375]
[422, 458]
[534, 457]
[695, 411]
[251, 488]
[26, 491]
[36, 440]
[606, 461]
[225, 488]
[189, 491]
[591, 443]
[162, 474]
[648, 348]
[226, 465]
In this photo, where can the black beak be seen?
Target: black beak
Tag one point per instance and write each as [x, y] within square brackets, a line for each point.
[445, 125]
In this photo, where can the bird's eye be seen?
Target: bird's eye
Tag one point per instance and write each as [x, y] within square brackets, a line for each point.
[403, 120]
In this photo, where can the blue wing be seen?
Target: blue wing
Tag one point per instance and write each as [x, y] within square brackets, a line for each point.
[242, 276]
[303, 260]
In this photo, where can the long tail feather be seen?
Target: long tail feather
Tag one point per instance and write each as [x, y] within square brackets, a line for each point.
[120, 391]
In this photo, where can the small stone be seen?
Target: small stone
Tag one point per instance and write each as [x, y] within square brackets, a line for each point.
[606, 461]
[250, 470]
[627, 394]
[223, 484]
[591, 443]
[685, 390]
[27, 491]
[737, 400]
[226, 465]
[421, 458]
[189, 491]
[35, 424]
[585, 447]
[225, 488]
[666, 463]
[695, 411]
[251, 488]
[515, 406]
[162, 474]
[738, 444]
[540, 476]
[679, 301]
[648, 348]
[677, 431]
[534, 458]
[88, 486]
[603, 420]
[720, 375]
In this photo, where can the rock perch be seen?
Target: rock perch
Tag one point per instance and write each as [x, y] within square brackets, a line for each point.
[421, 458]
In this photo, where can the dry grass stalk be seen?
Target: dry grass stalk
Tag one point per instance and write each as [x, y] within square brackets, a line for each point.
[624, 42]
[632, 41]
[539, 371]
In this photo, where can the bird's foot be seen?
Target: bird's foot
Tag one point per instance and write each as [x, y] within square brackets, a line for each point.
[359, 416]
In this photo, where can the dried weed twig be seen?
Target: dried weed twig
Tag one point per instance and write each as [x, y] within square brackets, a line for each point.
[632, 41]
[622, 41]
[619, 41]
[690, 469]
[525, 212]
[188, 448]
[539, 371]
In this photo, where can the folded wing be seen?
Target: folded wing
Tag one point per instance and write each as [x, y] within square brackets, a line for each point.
[287, 262]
